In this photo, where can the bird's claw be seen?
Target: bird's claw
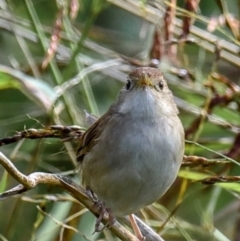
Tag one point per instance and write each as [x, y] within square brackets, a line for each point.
[103, 210]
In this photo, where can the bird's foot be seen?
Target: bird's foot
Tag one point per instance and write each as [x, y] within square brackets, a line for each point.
[102, 211]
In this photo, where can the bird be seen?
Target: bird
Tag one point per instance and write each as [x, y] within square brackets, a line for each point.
[131, 155]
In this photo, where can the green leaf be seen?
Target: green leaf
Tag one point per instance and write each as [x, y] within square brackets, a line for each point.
[39, 91]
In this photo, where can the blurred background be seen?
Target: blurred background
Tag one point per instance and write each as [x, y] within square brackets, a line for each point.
[61, 58]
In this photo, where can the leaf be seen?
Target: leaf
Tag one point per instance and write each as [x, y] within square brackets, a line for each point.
[39, 91]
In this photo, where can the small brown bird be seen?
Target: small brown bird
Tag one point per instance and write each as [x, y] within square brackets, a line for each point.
[131, 155]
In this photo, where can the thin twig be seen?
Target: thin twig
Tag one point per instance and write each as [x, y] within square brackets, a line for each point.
[65, 133]
[192, 161]
[220, 179]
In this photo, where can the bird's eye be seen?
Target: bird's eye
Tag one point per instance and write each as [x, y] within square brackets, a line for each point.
[128, 84]
[161, 85]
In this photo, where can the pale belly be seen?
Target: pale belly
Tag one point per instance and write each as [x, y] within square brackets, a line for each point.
[129, 173]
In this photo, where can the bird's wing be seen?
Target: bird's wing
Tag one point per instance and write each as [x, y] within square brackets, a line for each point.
[88, 139]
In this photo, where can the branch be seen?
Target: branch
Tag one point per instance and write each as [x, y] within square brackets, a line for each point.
[66, 133]
[193, 161]
[29, 182]
[220, 179]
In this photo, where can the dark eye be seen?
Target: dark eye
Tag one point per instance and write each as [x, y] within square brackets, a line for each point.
[128, 84]
[161, 85]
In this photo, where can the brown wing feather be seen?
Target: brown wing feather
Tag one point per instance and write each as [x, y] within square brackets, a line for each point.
[88, 139]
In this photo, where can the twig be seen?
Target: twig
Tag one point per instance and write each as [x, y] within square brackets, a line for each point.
[220, 179]
[66, 133]
[192, 161]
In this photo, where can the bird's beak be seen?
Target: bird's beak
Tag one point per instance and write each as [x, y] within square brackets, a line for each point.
[144, 80]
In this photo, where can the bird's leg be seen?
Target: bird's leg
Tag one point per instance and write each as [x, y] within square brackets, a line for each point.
[102, 211]
[136, 229]
[111, 218]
